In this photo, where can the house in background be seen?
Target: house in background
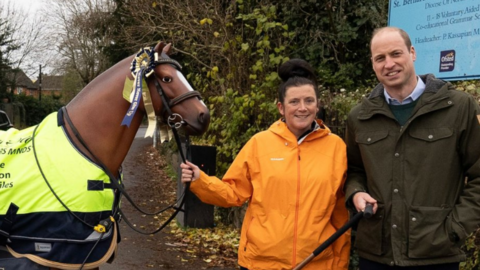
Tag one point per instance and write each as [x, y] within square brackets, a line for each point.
[23, 85]
[51, 86]
[18, 83]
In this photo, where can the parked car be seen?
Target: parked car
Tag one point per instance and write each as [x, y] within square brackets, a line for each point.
[4, 121]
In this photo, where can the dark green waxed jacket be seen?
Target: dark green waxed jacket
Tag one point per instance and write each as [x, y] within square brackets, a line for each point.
[425, 175]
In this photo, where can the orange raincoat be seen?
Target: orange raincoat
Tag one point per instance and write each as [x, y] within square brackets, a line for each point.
[295, 198]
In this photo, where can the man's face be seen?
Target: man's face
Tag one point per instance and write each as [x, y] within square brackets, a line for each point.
[392, 61]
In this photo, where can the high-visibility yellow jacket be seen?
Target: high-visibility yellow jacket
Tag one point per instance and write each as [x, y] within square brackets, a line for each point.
[43, 230]
[295, 198]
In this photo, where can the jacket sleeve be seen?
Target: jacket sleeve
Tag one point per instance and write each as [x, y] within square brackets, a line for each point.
[341, 247]
[466, 213]
[356, 176]
[233, 190]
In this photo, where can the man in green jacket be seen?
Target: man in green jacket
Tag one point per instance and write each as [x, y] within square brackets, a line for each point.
[414, 153]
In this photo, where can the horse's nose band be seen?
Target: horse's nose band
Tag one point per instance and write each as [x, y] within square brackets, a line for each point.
[183, 97]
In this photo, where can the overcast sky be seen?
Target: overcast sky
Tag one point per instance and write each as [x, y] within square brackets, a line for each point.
[29, 6]
[30, 9]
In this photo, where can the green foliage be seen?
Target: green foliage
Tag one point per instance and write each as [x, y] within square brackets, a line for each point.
[338, 104]
[117, 50]
[472, 249]
[334, 36]
[247, 106]
[471, 87]
[37, 110]
[71, 86]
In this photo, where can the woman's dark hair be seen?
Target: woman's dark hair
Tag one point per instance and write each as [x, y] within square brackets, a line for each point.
[295, 72]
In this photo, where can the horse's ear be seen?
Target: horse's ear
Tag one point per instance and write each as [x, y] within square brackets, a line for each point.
[167, 49]
[159, 47]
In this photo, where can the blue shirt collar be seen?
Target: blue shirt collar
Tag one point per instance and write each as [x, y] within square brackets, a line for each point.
[416, 93]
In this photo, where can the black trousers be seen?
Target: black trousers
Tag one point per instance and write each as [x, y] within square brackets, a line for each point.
[365, 264]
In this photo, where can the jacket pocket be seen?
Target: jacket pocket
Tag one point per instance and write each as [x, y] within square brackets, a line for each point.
[245, 239]
[368, 138]
[370, 233]
[431, 134]
[265, 243]
[430, 233]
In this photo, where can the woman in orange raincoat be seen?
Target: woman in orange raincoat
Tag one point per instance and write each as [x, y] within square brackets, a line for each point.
[292, 176]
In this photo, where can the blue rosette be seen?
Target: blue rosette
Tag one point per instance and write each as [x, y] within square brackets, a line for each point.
[143, 65]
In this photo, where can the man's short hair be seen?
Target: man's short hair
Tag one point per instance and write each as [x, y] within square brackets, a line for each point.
[402, 33]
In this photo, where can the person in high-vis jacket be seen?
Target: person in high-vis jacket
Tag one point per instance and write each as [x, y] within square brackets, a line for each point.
[292, 176]
[414, 152]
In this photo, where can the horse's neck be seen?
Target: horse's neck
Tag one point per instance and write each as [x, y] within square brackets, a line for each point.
[97, 112]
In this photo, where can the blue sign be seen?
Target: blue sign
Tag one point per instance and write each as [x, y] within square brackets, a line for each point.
[445, 34]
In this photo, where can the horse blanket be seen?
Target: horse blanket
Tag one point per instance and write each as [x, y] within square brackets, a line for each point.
[51, 198]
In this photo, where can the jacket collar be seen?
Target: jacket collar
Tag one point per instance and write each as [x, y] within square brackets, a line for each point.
[432, 85]
[435, 90]
[280, 128]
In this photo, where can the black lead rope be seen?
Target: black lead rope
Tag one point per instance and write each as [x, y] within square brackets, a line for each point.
[107, 171]
[177, 209]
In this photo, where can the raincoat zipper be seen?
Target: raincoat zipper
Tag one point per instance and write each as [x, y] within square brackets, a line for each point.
[297, 205]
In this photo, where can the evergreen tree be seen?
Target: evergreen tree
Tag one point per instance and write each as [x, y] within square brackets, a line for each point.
[7, 46]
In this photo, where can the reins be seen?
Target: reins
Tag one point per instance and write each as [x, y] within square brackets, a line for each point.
[167, 104]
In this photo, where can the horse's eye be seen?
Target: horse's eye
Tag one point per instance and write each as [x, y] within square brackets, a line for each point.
[166, 79]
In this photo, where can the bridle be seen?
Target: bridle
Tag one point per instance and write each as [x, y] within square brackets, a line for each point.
[169, 104]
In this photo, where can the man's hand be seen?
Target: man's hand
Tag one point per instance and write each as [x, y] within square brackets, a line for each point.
[361, 199]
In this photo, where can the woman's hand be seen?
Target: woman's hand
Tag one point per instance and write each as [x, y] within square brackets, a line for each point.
[190, 172]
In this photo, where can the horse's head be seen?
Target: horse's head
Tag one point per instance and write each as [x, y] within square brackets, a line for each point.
[172, 96]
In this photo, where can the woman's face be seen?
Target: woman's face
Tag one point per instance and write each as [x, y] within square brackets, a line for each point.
[299, 108]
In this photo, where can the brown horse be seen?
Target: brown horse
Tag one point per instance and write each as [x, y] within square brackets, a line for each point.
[84, 196]
[99, 108]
